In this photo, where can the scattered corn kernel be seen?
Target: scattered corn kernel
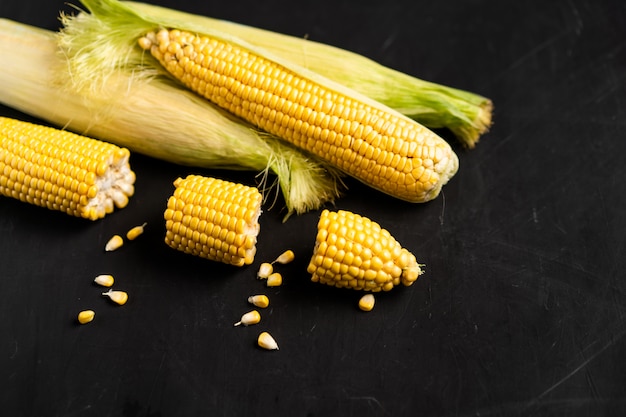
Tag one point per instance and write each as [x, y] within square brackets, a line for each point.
[285, 257]
[250, 318]
[114, 243]
[366, 303]
[104, 280]
[260, 301]
[266, 341]
[86, 316]
[265, 270]
[275, 280]
[133, 233]
[118, 297]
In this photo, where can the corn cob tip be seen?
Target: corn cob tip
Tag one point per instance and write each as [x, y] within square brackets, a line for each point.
[351, 251]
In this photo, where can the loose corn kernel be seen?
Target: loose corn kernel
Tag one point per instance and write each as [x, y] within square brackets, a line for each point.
[114, 243]
[214, 219]
[266, 341]
[366, 303]
[285, 257]
[352, 251]
[261, 301]
[250, 318]
[133, 233]
[86, 316]
[118, 297]
[104, 280]
[365, 139]
[274, 280]
[265, 270]
[63, 171]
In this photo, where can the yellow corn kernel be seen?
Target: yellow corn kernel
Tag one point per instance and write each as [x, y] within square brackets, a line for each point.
[265, 270]
[260, 300]
[266, 341]
[114, 243]
[133, 233]
[351, 251]
[366, 303]
[63, 171]
[104, 280]
[274, 280]
[86, 316]
[285, 257]
[214, 219]
[361, 137]
[250, 318]
[118, 297]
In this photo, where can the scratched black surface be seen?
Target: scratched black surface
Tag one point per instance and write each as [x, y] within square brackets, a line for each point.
[521, 311]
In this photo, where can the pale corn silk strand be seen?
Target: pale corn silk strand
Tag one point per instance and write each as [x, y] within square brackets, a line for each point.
[364, 139]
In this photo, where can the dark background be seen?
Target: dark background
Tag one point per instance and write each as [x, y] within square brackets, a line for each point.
[521, 312]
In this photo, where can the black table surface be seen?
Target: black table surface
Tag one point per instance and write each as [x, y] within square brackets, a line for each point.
[521, 311]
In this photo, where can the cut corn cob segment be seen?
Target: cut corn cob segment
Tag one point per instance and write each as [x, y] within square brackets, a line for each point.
[214, 219]
[63, 171]
[361, 137]
[351, 251]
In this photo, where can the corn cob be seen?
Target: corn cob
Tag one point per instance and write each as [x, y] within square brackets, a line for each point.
[466, 114]
[214, 219]
[360, 136]
[145, 115]
[351, 251]
[364, 139]
[63, 171]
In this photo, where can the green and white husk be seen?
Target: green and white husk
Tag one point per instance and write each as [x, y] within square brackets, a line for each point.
[466, 114]
[151, 116]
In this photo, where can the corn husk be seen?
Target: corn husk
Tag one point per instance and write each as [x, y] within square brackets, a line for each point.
[105, 40]
[155, 117]
[466, 114]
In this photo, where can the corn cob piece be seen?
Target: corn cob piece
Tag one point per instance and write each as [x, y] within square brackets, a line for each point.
[363, 138]
[63, 171]
[351, 251]
[214, 219]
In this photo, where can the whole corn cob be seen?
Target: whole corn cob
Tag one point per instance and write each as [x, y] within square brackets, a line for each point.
[150, 115]
[351, 251]
[214, 219]
[63, 171]
[468, 115]
[367, 141]
[361, 137]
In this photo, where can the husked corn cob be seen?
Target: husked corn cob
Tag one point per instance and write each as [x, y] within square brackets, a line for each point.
[63, 171]
[351, 251]
[363, 138]
[214, 219]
